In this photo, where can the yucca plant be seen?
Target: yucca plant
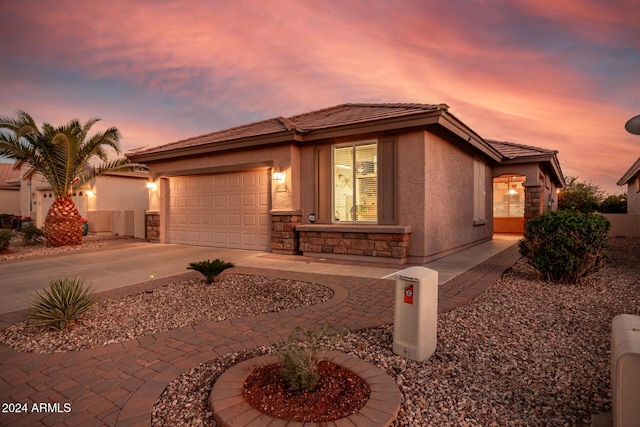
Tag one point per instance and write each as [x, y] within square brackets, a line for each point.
[210, 269]
[64, 301]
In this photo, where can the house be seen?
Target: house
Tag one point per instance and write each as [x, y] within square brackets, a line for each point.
[9, 189]
[113, 204]
[377, 182]
[631, 179]
[628, 224]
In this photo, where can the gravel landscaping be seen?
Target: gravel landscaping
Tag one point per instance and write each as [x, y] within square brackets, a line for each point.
[167, 307]
[524, 353]
[20, 251]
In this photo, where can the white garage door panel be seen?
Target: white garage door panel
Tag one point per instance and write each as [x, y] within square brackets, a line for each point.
[227, 210]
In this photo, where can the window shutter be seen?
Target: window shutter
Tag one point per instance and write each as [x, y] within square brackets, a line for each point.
[323, 184]
[387, 181]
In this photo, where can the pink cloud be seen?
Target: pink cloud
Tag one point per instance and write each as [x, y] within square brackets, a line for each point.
[558, 75]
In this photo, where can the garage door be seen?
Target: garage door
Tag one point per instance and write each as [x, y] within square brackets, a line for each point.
[225, 210]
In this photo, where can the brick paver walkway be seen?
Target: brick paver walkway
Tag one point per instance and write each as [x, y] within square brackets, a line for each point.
[118, 384]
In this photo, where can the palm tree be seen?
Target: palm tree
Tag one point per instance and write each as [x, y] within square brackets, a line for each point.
[67, 157]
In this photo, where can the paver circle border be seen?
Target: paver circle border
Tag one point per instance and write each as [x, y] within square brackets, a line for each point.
[231, 409]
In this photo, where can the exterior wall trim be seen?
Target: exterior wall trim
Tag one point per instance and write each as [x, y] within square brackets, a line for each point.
[215, 169]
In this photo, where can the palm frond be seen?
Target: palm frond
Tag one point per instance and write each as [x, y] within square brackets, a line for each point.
[63, 155]
[116, 165]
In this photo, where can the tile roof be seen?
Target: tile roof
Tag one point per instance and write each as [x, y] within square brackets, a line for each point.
[8, 173]
[512, 150]
[339, 115]
[347, 114]
[526, 153]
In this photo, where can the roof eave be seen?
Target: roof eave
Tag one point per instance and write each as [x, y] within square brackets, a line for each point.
[633, 170]
[293, 136]
[214, 146]
[551, 159]
[438, 117]
[454, 125]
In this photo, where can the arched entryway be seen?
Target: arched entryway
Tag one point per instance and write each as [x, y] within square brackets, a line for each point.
[508, 203]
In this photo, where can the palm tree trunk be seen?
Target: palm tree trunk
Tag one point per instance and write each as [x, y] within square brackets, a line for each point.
[62, 225]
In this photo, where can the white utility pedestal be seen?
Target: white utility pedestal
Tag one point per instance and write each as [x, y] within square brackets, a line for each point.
[415, 318]
[625, 370]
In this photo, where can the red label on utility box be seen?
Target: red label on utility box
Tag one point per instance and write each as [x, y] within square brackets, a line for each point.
[408, 294]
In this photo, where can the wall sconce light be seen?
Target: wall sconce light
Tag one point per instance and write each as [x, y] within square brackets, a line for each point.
[151, 185]
[279, 176]
[90, 193]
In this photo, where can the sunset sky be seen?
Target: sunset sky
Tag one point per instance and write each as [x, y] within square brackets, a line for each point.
[562, 74]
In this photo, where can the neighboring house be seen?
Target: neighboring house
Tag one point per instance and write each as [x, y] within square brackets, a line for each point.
[628, 224]
[113, 203]
[631, 179]
[378, 182]
[9, 189]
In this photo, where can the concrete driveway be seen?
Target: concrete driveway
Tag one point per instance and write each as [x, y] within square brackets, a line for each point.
[115, 268]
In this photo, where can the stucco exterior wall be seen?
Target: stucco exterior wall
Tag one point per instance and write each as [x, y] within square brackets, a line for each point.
[411, 189]
[119, 193]
[633, 197]
[307, 182]
[285, 157]
[627, 225]
[435, 196]
[9, 202]
[531, 171]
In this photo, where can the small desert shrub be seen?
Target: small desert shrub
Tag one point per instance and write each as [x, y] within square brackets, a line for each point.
[298, 364]
[64, 301]
[565, 245]
[298, 358]
[210, 269]
[31, 235]
[5, 238]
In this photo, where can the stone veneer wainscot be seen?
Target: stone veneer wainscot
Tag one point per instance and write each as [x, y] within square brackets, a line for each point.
[152, 226]
[383, 243]
[284, 237]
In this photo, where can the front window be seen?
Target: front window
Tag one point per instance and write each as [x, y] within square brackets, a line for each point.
[508, 196]
[355, 182]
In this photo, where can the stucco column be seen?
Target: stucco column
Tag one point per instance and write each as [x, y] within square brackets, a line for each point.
[164, 202]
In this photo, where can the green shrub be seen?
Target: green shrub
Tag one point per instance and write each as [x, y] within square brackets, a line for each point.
[64, 301]
[32, 235]
[5, 239]
[615, 203]
[210, 269]
[565, 245]
[297, 357]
